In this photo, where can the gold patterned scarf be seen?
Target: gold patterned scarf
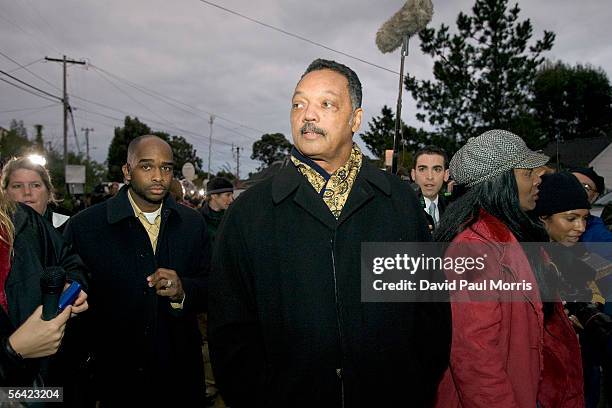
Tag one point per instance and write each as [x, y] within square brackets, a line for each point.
[334, 188]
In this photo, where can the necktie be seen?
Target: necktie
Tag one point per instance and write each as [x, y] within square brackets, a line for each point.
[432, 212]
[152, 229]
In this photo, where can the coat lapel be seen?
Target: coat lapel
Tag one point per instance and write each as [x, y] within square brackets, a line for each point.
[289, 180]
[360, 194]
[363, 190]
[307, 198]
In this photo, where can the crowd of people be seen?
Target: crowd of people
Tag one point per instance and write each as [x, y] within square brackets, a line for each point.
[258, 302]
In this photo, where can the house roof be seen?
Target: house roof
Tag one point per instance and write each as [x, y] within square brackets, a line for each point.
[577, 152]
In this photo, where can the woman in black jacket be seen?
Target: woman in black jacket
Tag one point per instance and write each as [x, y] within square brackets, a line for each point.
[28, 244]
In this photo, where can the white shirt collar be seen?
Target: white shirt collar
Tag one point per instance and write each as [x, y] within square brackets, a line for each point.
[428, 201]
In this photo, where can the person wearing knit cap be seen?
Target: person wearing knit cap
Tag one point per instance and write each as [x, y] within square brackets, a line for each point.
[219, 196]
[563, 207]
[498, 345]
[220, 185]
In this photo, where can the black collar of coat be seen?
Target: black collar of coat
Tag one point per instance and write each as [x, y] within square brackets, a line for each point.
[120, 208]
[21, 215]
[289, 180]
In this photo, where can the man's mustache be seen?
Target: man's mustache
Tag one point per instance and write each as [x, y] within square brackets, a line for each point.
[312, 128]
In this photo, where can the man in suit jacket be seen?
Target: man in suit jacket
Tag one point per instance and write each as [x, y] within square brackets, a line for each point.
[430, 172]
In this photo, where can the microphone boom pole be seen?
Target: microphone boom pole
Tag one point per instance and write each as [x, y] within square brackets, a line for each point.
[398, 111]
[395, 32]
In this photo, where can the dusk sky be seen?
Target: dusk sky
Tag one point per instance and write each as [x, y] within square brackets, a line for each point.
[172, 64]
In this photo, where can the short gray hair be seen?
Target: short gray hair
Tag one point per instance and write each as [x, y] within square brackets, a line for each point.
[354, 85]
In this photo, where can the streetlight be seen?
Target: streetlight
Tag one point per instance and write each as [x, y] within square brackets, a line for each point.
[37, 159]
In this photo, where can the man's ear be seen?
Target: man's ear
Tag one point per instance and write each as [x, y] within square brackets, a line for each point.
[126, 172]
[446, 175]
[356, 120]
[413, 174]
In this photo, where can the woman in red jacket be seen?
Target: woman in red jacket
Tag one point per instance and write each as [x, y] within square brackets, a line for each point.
[497, 353]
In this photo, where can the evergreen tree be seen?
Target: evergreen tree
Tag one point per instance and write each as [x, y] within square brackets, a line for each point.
[483, 74]
[379, 137]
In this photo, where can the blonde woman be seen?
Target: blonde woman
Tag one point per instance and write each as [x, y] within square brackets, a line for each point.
[27, 182]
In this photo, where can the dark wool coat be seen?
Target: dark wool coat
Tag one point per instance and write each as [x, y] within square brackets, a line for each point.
[144, 350]
[37, 245]
[287, 327]
[213, 219]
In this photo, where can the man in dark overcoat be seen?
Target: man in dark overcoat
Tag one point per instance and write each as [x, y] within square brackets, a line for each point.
[287, 327]
[149, 259]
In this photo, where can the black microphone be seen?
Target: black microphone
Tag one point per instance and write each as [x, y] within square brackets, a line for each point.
[52, 282]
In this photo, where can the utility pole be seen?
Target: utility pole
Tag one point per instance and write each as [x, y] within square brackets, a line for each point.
[210, 122]
[238, 163]
[65, 61]
[87, 130]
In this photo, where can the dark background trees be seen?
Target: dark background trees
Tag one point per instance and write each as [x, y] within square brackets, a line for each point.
[572, 101]
[16, 143]
[270, 148]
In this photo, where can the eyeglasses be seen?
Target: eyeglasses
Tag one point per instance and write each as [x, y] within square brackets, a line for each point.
[588, 188]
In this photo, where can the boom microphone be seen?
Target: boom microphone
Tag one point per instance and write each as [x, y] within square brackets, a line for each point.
[409, 20]
[52, 282]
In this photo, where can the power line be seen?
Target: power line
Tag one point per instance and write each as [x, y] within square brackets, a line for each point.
[25, 66]
[113, 125]
[149, 120]
[88, 119]
[31, 86]
[161, 98]
[92, 102]
[134, 99]
[101, 105]
[27, 90]
[28, 109]
[299, 37]
[165, 98]
[42, 47]
[42, 18]
[143, 117]
[32, 73]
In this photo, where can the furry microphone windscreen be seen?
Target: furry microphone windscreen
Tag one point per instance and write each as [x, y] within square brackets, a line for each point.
[412, 18]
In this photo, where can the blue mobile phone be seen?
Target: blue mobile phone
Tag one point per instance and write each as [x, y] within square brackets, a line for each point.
[69, 296]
